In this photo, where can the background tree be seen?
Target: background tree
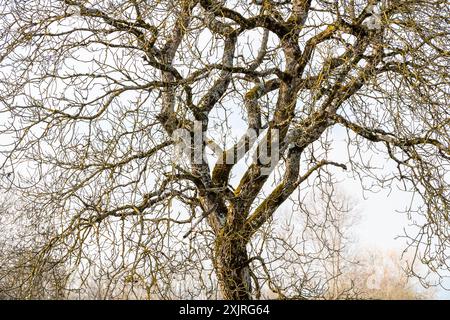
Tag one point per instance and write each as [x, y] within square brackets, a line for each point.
[93, 93]
[23, 273]
[381, 275]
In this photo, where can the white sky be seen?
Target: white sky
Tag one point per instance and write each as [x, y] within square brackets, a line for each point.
[380, 225]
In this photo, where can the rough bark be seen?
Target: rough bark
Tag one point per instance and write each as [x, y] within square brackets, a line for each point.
[232, 265]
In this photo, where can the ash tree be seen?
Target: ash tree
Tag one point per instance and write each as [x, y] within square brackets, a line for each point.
[95, 95]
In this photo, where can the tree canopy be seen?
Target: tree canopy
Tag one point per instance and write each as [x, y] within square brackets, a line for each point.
[93, 92]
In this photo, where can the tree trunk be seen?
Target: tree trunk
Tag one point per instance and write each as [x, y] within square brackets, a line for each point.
[231, 264]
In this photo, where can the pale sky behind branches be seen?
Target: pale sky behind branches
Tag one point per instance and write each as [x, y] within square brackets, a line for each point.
[382, 224]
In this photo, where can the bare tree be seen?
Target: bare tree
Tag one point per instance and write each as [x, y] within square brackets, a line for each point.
[97, 94]
[23, 273]
[381, 275]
